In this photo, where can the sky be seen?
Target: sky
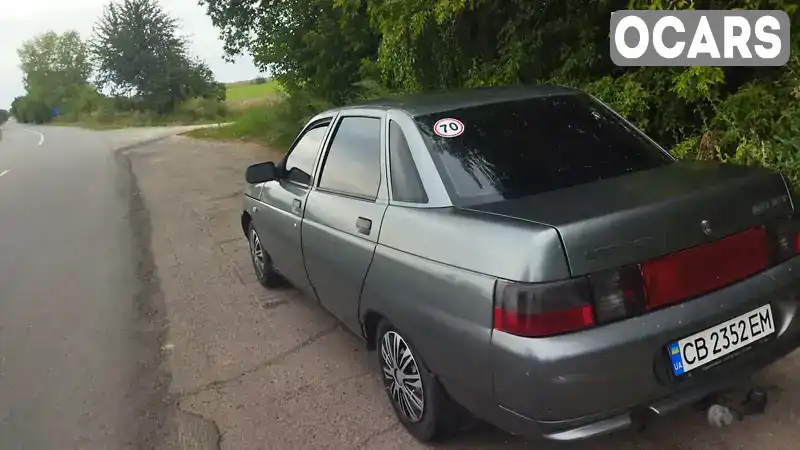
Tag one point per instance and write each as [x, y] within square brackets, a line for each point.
[21, 20]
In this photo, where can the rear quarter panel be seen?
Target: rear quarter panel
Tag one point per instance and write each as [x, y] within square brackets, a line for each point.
[445, 311]
[433, 276]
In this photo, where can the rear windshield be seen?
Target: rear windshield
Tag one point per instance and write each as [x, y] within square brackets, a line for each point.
[513, 149]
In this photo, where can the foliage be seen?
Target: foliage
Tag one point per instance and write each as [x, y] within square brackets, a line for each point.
[276, 125]
[307, 45]
[625, 95]
[137, 57]
[28, 109]
[4, 116]
[202, 109]
[255, 124]
[343, 50]
[260, 80]
[137, 51]
[56, 70]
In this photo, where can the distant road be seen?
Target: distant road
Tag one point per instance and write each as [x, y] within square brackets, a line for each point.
[78, 342]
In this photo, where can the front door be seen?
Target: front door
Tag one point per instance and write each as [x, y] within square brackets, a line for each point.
[343, 215]
[282, 202]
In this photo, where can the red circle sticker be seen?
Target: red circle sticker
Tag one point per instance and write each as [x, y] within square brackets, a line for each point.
[448, 127]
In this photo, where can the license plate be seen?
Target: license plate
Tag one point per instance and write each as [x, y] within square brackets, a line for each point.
[713, 343]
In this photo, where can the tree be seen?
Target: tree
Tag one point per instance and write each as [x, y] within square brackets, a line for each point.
[56, 68]
[325, 48]
[4, 116]
[138, 52]
[306, 44]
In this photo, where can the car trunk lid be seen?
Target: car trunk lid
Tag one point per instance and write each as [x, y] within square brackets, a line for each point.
[642, 215]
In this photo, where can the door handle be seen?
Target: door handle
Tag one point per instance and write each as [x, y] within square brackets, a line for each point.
[296, 204]
[363, 225]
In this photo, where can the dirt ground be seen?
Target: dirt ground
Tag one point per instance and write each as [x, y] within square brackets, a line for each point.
[251, 368]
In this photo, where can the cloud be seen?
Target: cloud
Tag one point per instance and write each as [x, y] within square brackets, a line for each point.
[28, 18]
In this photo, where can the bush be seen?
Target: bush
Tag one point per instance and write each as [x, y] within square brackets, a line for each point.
[260, 80]
[276, 124]
[30, 110]
[625, 96]
[4, 116]
[220, 92]
[197, 109]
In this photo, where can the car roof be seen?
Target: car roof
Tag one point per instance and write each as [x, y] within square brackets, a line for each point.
[433, 102]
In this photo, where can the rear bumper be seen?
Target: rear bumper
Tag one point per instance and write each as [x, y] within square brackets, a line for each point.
[585, 384]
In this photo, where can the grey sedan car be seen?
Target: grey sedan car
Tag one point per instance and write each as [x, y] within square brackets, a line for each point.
[527, 255]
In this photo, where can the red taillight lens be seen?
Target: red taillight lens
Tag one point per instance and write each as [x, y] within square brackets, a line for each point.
[617, 293]
[536, 310]
[691, 272]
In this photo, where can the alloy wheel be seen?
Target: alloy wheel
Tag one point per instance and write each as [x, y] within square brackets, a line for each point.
[401, 376]
[257, 253]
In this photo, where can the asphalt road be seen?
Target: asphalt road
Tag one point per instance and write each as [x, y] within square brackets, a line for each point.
[78, 340]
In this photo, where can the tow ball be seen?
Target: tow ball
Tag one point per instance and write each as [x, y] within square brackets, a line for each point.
[723, 411]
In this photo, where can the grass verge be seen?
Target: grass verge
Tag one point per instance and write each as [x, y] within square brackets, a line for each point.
[240, 91]
[275, 124]
[266, 125]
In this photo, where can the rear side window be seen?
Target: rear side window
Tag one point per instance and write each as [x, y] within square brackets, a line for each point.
[300, 162]
[513, 149]
[353, 163]
[406, 183]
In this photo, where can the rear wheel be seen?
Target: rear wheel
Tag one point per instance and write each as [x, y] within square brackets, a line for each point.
[416, 396]
[262, 264]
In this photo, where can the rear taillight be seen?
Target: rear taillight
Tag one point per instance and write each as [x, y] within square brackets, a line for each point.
[617, 294]
[544, 309]
[784, 240]
[697, 270]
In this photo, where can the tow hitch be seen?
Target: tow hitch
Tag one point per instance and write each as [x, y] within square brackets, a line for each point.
[723, 410]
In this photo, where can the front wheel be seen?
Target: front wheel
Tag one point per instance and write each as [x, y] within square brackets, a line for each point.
[262, 264]
[416, 396]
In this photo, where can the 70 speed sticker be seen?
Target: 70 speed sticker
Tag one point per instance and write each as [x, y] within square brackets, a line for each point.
[448, 127]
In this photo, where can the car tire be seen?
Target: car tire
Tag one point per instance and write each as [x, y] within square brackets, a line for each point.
[262, 263]
[437, 418]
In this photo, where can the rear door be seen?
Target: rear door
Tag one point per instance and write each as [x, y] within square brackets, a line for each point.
[280, 212]
[344, 212]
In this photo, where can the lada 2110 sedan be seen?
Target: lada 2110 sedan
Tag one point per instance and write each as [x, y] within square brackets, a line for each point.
[529, 255]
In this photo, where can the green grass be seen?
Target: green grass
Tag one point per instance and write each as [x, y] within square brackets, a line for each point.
[261, 125]
[244, 91]
[272, 121]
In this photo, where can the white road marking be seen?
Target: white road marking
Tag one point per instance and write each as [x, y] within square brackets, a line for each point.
[41, 136]
[4, 172]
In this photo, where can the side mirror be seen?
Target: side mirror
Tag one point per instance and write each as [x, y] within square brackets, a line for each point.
[260, 173]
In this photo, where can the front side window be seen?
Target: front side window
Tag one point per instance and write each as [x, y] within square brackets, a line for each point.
[514, 149]
[300, 162]
[353, 164]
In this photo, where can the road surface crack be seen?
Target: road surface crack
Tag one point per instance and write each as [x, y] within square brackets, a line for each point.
[365, 443]
[214, 385]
